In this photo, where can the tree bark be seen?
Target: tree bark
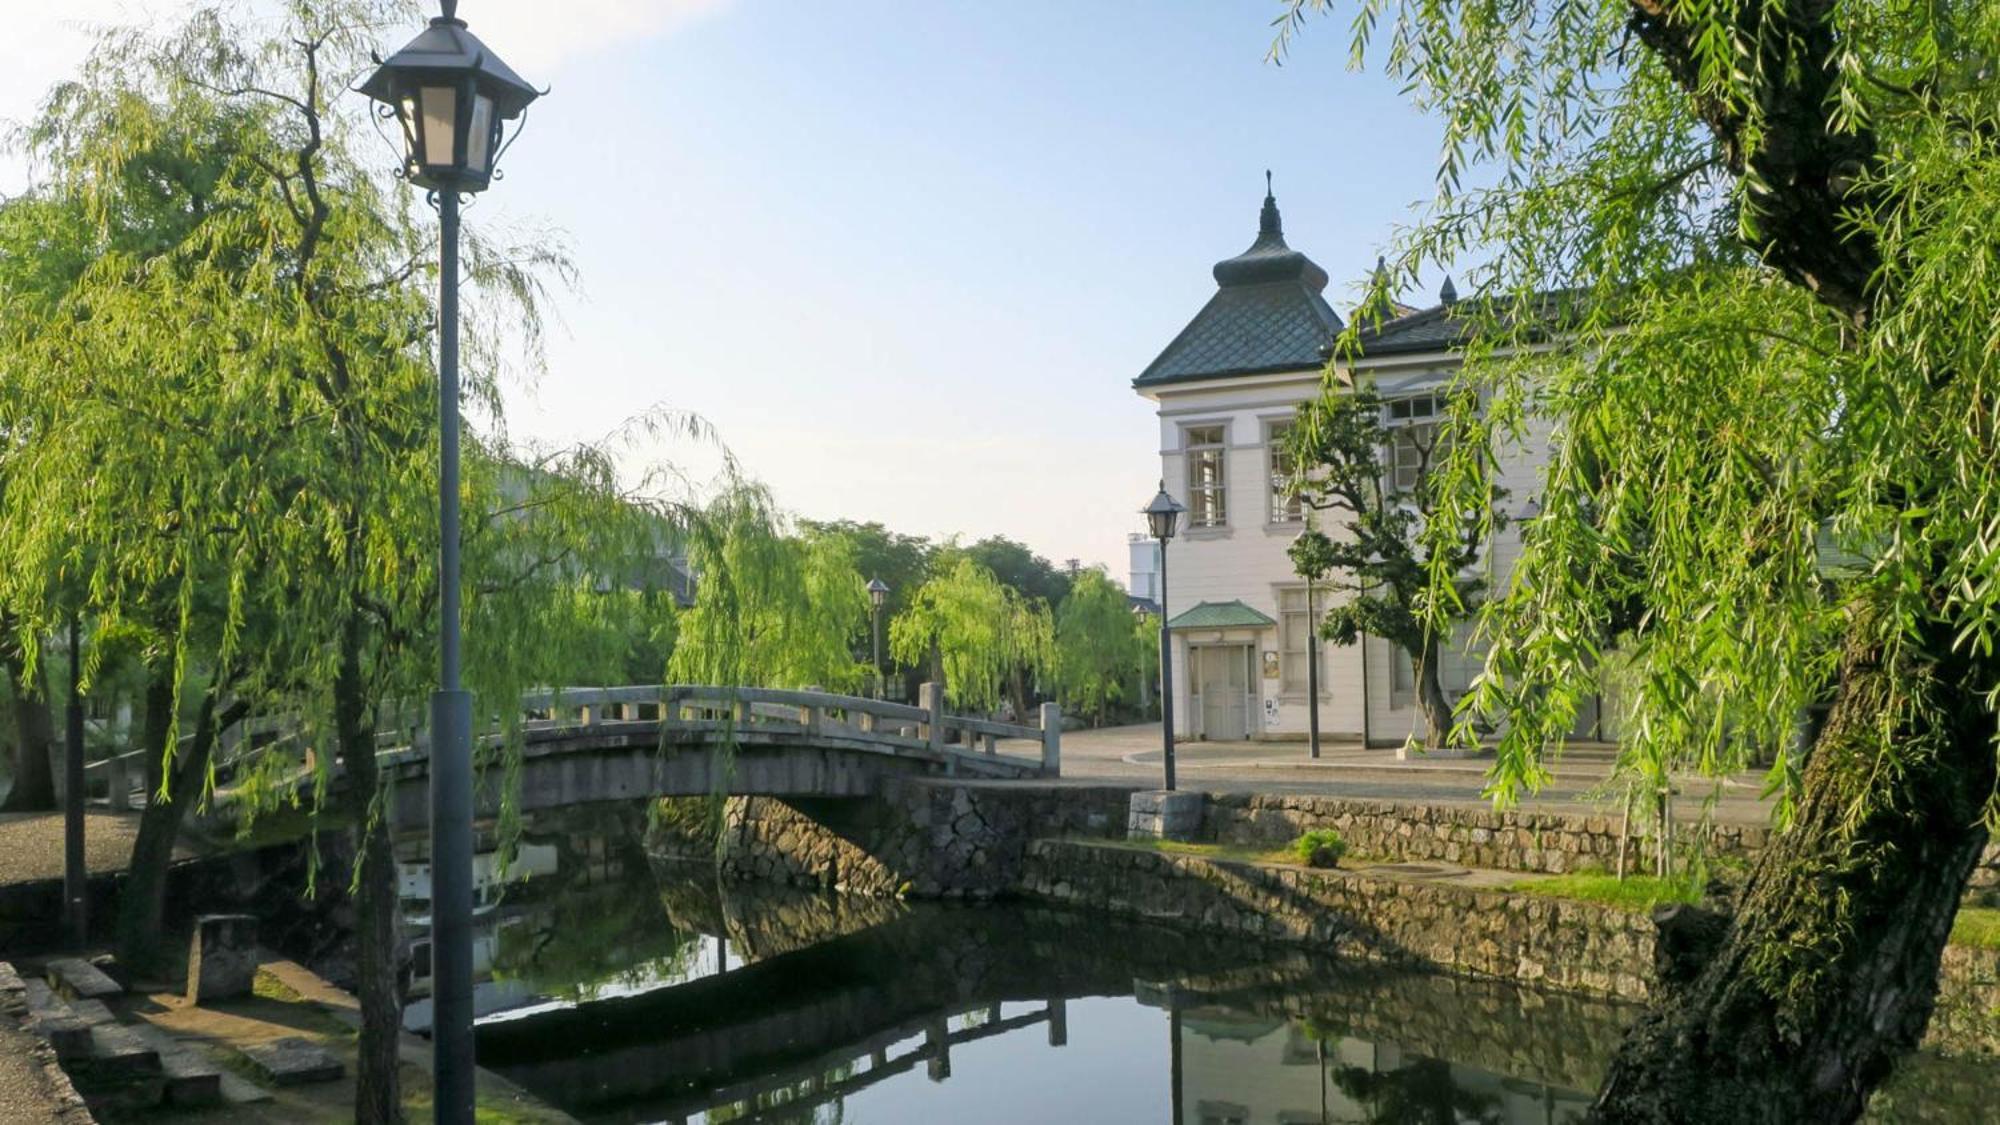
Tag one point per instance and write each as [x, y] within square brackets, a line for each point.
[1430, 695]
[34, 787]
[160, 705]
[142, 902]
[1828, 973]
[377, 1087]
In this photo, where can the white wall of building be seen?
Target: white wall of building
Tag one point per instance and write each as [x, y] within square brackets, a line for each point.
[1246, 561]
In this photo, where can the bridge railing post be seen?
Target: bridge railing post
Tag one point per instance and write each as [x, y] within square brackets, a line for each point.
[1051, 740]
[931, 699]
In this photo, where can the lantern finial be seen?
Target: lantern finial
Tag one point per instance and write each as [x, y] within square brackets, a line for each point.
[450, 9]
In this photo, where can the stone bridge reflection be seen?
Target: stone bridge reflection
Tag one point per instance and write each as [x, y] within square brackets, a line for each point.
[833, 1001]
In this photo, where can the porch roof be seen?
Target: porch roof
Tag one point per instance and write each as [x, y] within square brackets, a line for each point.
[1220, 615]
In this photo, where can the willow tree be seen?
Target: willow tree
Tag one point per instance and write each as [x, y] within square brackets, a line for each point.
[1765, 232]
[974, 632]
[773, 608]
[1097, 651]
[237, 422]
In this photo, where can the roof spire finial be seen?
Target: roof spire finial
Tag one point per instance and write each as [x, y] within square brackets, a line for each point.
[450, 9]
[1447, 293]
[1267, 184]
[1269, 225]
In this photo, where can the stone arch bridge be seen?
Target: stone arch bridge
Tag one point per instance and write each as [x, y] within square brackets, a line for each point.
[586, 745]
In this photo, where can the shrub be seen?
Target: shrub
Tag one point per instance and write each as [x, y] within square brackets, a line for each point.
[1321, 847]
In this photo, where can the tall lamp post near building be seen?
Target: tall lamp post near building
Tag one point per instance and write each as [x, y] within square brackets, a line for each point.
[878, 596]
[1163, 516]
[1311, 555]
[452, 97]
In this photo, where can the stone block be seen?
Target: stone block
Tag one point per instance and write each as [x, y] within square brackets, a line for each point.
[293, 1062]
[77, 979]
[1160, 814]
[222, 959]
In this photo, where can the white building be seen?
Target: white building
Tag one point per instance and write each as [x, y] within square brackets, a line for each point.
[1226, 388]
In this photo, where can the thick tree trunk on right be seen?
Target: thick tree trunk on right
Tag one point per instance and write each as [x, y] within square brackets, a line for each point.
[1802, 1006]
[34, 786]
[377, 1085]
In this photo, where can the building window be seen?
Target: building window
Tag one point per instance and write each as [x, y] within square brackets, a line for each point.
[1207, 483]
[1278, 455]
[1413, 439]
[1293, 628]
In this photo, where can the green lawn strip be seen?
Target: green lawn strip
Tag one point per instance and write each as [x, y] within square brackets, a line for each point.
[1634, 892]
[1235, 852]
[1978, 927]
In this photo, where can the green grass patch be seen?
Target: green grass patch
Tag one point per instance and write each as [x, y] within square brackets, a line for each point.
[268, 986]
[1236, 852]
[1634, 892]
[1977, 926]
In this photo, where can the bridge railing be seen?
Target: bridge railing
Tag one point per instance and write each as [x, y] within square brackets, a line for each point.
[688, 708]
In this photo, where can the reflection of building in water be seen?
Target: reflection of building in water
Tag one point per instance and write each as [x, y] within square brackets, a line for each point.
[490, 881]
[1247, 1070]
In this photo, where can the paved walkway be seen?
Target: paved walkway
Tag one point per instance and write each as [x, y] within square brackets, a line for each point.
[31, 844]
[1344, 769]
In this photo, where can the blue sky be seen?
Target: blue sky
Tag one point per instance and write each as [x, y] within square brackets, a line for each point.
[905, 257]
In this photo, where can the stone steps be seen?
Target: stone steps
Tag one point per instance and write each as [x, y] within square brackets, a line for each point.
[77, 979]
[48, 1016]
[192, 1079]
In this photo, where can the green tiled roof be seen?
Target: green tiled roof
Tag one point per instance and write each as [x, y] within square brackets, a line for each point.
[1267, 315]
[1220, 615]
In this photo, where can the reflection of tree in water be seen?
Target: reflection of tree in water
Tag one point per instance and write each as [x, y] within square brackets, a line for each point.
[577, 944]
[1418, 1093]
[772, 1105]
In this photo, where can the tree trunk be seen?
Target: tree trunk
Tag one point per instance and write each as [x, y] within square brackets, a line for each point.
[377, 1086]
[1798, 1009]
[34, 788]
[143, 900]
[160, 704]
[1430, 695]
[1019, 691]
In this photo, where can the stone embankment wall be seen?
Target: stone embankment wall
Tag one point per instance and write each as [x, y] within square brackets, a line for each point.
[1576, 946]
[1549, 843]
[933, 838]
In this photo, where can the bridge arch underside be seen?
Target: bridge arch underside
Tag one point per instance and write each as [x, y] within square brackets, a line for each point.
[613, 761]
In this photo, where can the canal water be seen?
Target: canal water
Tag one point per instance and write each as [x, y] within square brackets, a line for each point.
[621, 986]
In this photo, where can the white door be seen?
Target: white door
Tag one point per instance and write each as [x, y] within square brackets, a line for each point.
[1223, 674]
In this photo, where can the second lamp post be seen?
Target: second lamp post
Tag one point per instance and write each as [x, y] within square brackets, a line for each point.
[878, 596]
[1163, 516]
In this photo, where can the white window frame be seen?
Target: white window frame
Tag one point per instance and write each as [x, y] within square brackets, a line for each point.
[1413, 423]
[1293, 629]
[1280, 510]
[1207, 501]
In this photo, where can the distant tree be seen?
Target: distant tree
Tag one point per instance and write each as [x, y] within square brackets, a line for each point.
[1393, 539]
[1098, 653]
[1021, 569]
[974, 631]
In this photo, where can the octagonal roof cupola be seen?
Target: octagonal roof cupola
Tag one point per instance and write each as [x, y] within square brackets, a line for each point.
[1267, 314]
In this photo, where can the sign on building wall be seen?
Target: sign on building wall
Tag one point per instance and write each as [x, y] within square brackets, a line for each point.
[1270, 665]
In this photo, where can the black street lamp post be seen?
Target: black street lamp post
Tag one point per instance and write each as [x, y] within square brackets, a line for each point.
[76, 873]
[878, 596]
[1163, 516]
[452, 97]
[1309, 555]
